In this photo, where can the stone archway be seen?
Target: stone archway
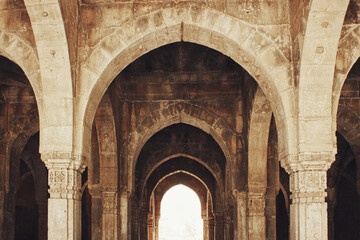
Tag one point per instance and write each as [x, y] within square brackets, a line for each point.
[187, 150]
[168, 182]
[257, 173]
[119, 49]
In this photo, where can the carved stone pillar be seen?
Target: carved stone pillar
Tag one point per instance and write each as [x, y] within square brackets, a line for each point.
[135, 228]
[308, 210]
[157, 219]
[256, 210]
[151, 227]
[109, 214]
[241, 226]
[96, 211]
[143, 223]
[64, 211]
[124, 214]
[211, 228]
[219, 226]
[205, 226]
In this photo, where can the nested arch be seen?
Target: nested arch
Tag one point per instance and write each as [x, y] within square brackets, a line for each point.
[180, 113]
[185, 179]
[198, 25]
[181, 155]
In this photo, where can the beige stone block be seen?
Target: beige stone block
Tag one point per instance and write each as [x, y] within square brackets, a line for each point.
[240, 32]
[53, 34]
[283, 78]
[108, 176]
[56, 138]
[325, 24]
[316, 76]
[315, 135]
[98, 61]
[324, 5]
[108, 160]
[86, 82]
[319, 51]
[45, 14]
[315, 103]
[226, 27]
[113, 44]
[40, 2]
[58, 111]
[255, 44]
[112, 16]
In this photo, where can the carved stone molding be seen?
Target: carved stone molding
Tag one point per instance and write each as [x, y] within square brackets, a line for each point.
[256, 203]
[308, 186]
[64, 183]
[109, 202]
[307, 161]
[72, 160]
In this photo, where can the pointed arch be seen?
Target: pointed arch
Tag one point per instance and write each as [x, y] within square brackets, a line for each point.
[54, 63]
[24, 55]
[179, 113]
[230, 36]
[347, 55]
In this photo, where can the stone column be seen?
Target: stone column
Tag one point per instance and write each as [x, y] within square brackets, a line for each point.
[308, 210]
[64, 211]
[211, 228]
[109, 214]
[2, 202]
[151, 227]
[124, 214]
[42, 206]
[241, 225]
[157, 219]
[96, 211]
[219, 226]
[332, 176]
[205, 226]
[256, 210]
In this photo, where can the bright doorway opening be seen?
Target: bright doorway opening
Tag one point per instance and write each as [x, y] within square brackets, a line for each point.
[180, 215]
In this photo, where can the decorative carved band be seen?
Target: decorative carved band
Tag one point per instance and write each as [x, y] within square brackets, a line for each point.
[307, 161]
[308, 186]
[72, 160]
[109, 202]
[64, 183]
[256, 203]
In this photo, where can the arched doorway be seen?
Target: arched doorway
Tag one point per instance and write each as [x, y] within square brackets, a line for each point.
[181, 107]
[180, 215]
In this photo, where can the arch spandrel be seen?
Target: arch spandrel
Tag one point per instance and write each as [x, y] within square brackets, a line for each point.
[21, 53]
[264, 61]
[347, 55]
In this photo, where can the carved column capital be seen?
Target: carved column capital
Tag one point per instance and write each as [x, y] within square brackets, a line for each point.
[64, 181]
[69, 159]
[256, 203]
[307, 161]
[308, 186]
[109, 202]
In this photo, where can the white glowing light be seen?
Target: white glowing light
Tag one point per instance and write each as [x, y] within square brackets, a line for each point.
[180, 215]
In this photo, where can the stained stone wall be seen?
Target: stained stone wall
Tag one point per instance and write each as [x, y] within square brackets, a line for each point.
[254, 99]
